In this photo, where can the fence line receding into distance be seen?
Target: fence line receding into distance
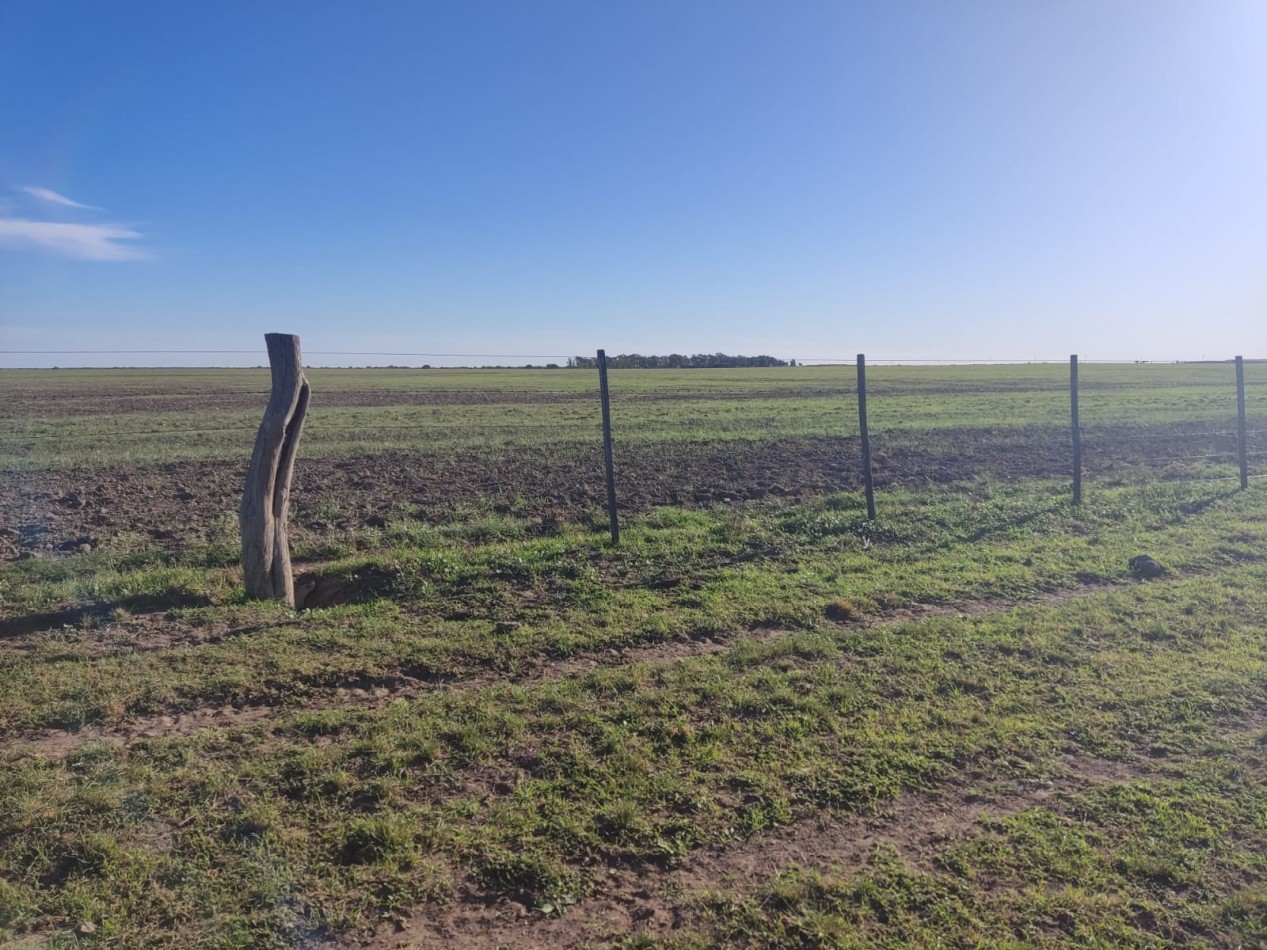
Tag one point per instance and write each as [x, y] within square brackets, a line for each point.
[609, 423]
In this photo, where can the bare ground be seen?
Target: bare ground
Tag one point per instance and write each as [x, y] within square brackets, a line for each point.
[177, 504]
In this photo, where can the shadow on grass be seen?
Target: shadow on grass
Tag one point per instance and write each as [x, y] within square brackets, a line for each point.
[49, 620]
[98, 610]
[1200, 505]
[1009, 524]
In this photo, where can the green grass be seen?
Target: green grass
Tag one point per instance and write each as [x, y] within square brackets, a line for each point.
[270, 831]
[513, 710]
[433, 611]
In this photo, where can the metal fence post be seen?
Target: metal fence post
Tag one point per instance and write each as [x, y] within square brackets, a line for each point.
[1077, 431]
[607, 447]
[867, 479]
[1242, 436]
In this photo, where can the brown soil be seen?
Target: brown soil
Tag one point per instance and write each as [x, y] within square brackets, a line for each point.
[182, 503]
[91, 631]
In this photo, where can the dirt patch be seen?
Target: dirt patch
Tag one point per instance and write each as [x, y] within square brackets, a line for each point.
[915, 826]
[1094, 769]
[56, 743]
[93, 631]
[51, 513]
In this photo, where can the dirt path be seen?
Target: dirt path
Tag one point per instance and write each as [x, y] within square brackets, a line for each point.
[659, 903]
[55, 743]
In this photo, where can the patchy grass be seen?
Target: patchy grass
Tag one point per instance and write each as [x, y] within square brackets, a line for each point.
[533, 791]
[1173, 857]
[131, 635]
[503, 719]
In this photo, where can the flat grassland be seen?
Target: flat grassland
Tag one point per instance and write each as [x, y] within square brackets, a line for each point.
[763, 720]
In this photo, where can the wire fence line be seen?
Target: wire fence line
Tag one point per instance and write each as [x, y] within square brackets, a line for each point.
[802, 361]
[647, 407]
[255, 352]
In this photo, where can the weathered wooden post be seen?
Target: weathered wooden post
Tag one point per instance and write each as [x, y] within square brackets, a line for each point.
[1077, 429]
[608, 462]
[266, 500]
[868, 480]
[1242, 436]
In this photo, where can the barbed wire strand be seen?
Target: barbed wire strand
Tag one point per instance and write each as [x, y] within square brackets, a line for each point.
[947, 360]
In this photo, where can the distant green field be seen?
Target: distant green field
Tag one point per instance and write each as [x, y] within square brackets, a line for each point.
[105, 417]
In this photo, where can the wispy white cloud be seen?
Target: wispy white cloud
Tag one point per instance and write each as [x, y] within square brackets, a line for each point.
[98, 241]
[88, 242]
[49, 195]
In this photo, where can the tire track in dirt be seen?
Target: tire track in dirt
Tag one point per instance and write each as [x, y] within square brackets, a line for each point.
[382, 690]
[660, 903]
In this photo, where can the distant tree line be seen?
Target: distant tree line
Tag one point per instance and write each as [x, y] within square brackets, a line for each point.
[676, 361]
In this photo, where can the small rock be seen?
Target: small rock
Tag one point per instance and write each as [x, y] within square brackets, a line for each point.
[87, 927]
[1144, 567]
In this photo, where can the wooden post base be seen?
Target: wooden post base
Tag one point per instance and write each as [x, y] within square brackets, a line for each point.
[266, 499]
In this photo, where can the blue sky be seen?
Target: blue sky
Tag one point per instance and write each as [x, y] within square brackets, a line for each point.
[910, 179]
